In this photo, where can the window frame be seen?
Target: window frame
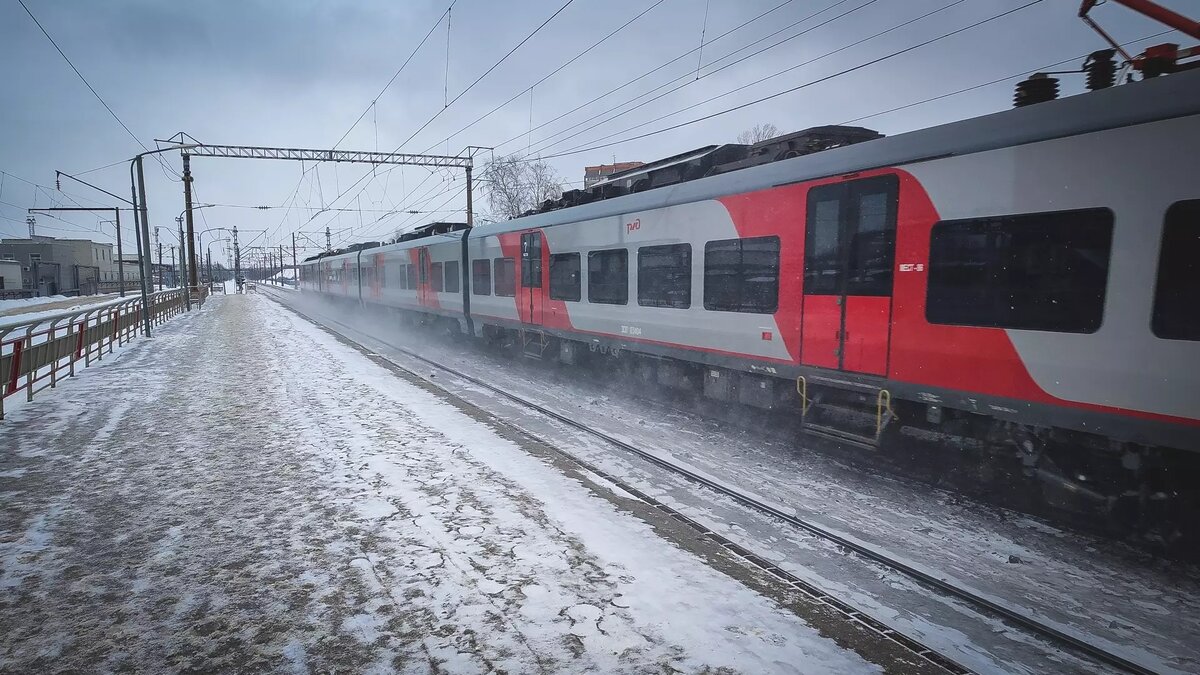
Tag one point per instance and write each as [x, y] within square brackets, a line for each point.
[453, 272]
[577, 287]
[688, 269]
[510, 282]
[623, 254]
[1178, 255]
[486, 277]
[436, 281]
[710, 302]
[1071, 222]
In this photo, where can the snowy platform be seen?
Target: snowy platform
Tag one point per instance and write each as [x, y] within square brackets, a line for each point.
[246, 492]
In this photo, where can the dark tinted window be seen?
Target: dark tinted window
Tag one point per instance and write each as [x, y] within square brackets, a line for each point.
[1177, 293]
[850, 237]
[664, 276]
[481, 277]
[608, 276]
[506, 277]
[410, 273]
[564, 276]
[872, 243]
[453, 280]
[423, 265]
[742, 275]
[531, 260]
[435, 271]
[822, 256]
[1042, 271]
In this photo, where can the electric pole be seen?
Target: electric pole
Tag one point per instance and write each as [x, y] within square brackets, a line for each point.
[120, 254]
[183, 268]
[295, 267]
[328, 241]
[281, 263]
[193, 272]
[174, 269]
[158, 245]
[32, 223]
[237, 261]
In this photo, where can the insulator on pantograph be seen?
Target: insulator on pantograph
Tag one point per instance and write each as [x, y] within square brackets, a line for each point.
[1038, 88]
[1101, 69]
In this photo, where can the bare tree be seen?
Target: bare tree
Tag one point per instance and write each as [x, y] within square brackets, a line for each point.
[516, 184]
[758, 133]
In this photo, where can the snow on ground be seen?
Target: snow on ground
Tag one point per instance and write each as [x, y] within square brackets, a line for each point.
[1146, 609]
[244, 492]
[29, 309]
[9, 304]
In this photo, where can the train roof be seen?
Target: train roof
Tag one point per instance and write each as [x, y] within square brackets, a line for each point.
[1149, 100]
[454, 236]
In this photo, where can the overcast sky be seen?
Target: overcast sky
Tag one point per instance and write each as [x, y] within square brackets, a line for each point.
[300, 72]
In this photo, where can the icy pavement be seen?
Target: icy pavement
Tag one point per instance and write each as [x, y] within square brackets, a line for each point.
[245, 492]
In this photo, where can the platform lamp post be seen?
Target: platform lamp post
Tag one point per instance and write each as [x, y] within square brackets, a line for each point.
[200, 247]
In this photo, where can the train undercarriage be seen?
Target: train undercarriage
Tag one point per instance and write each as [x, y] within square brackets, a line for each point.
[1147, 496]
[1086, 481]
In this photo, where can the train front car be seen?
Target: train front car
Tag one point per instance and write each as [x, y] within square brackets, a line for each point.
[1017, 288]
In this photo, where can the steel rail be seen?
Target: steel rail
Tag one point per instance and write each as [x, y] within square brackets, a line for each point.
[1010, 614]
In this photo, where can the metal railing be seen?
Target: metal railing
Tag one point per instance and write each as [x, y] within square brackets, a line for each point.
[36, 354]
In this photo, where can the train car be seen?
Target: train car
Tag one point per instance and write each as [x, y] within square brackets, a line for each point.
[1026, 277]
[423, 275]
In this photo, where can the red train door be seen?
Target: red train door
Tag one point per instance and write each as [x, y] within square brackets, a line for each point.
[850, 248]
[530, 297]
[425, 294]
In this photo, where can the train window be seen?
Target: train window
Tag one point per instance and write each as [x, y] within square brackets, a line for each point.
[506, 277]
[850, 237]
[453, 280]
[1177, 292]
[822, 255]
[435, 273]
[531, 260]
[608, 276]
[1041, 271]
[742, 275]
[481, 277]
[664, 276]
[564, 276]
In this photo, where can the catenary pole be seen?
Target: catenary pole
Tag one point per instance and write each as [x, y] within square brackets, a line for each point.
[183, 268]
[193, 272]
[143, 225]
[121, 255]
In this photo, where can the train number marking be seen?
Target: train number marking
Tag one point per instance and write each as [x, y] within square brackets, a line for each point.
[631, 330]
[912, 267]
[634, 226]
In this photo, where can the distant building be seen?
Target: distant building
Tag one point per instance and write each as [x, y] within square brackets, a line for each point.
[594, 174]
[10, 275]
[131, 267]
[50, 266]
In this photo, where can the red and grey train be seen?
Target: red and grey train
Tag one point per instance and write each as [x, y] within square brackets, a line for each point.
[1029, 277]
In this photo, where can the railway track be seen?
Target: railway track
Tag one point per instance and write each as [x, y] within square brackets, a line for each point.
[1014, 616]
